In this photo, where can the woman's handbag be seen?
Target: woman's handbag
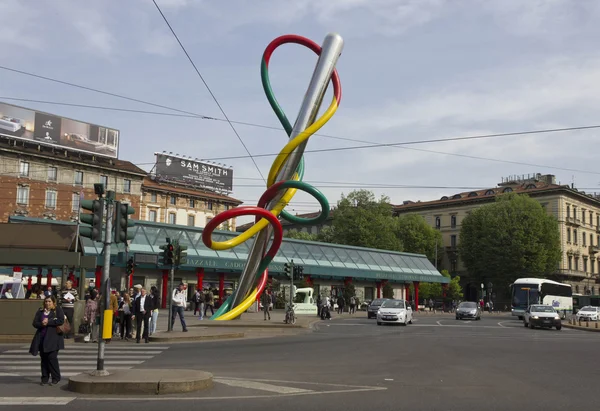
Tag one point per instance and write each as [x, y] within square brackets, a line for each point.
[65, 328]
[84, 328]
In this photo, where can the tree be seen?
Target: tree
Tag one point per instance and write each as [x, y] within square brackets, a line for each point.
[388, 291]
[300, 235]
[511, 238]
[361, 220]
[418, 237]
[349, 292]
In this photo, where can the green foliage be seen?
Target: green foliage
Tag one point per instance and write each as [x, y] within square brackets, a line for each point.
[435, 290]
[300, 235]
[326, 235]
[388, 291]
[361, 220]
[349, 292]
[511, 238]
[417, 236]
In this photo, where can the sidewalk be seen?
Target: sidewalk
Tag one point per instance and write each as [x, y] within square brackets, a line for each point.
[593, 326]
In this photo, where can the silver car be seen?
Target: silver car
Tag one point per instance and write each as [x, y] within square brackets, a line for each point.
[588, 313]
[469, 310]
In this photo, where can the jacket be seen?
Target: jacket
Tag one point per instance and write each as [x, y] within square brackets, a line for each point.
[52, 341]
[148, 306]
[179, 299]
[91, 311]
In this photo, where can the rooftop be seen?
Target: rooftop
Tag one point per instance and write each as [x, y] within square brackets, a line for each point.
[169, 187]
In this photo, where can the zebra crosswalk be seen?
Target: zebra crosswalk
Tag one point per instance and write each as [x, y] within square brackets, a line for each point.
[77, 358]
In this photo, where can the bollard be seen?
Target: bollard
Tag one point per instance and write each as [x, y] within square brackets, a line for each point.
[107, 330]
[596, 324]
[587, 324]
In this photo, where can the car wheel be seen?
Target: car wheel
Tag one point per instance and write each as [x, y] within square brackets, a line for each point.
[558, 327]
[531, 326]
[410, 322]
[378, 322]
[520, 318]
[457, 317]
[524, 324]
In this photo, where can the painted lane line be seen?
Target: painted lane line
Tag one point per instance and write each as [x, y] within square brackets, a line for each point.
[68, 362]
[298, 382]
[37, 367]
[67, 352]
[389, 379]
[36, 374]
[108, 347]
[36, 401]
[440, 323]
[260, 386]
[72, 357]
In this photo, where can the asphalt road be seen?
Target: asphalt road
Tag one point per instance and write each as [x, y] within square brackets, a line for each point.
[437, 363]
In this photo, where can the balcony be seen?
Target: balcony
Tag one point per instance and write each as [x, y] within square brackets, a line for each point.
[594, 249]
[571, 273]
[573, 221]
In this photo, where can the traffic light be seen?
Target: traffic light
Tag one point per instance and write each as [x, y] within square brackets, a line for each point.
[130, 266]
[287, 270]
[181, 257]
[166, 255]
[122, 222]
[93, 229]
[300, 272]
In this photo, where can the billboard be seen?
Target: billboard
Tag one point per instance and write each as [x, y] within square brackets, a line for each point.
[194, 172]
[49, 129]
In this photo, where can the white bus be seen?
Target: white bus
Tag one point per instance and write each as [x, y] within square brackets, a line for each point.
[527, 291]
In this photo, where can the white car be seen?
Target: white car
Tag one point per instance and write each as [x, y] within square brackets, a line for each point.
[395, 311]
[588, 313]
[543, 316]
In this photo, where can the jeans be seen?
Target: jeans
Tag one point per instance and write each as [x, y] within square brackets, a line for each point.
[201, 309]
[178, 310]
[125, 326]
[153, 320]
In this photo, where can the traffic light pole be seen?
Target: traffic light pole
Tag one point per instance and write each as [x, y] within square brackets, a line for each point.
[291, 285]
[171, 280]
[105, 282]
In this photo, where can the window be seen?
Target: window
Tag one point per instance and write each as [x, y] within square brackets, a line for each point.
[583, 216]
[591, 239]
[153, 198]
[24, 169]
[453, 221]
[489, 193]
[530, 186]
[192, 203]
[23, 195]
[226, 206]
[51, 198]
[171, 218]
[453, 241]
[574, 236]
[104, 180]
[507, 190]
[585, 265]
[456, 196]
[576, 263]
[568, 235]
[444, 198]
[208, 219]
[173, 200]
[591, 218]
[592, 266]
[52, 173]
[76, 198]
[209, 205]
[583, 239]
[472, 194]
[191, 221]
[568, 211]
[570, 262]
[127, 186]
[79, 178]
[598, 220]
[438, 222]
[152, 215]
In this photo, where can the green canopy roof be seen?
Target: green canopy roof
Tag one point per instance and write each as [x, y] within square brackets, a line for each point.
[318, 259]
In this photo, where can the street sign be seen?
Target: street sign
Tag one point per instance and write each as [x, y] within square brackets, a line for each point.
[145, 258]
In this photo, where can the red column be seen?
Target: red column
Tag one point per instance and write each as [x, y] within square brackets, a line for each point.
[98, 279]
[29, 283]
[347, 280]
[49, 278]
[200, 276]
[131, 280]
[309, 280]
[416, 284]
[221, 287]
[39, 277]
[16, 269]
[378, 289]
[165, 289]
[444, 290]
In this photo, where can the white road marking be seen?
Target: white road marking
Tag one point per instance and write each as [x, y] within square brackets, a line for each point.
[35, 401]
[389, 379]
[37, 367]
[109, 347]
[68, 362]
[260, 386]
[440, 323]
[37, 374]
[79, 351]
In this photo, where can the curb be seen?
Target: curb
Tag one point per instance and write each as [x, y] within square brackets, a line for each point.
[186, 337]
[577, 327]
[232, 324]
[150, 381]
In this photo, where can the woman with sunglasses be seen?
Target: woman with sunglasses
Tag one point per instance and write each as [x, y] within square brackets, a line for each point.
[47, 341]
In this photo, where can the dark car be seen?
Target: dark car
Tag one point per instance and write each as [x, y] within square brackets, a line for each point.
[374, 307]
[468, 309]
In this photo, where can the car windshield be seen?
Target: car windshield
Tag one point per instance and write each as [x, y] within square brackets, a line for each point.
[377, 302]
[393, 304]
[467, 305]
[588, 309]
[541, 309]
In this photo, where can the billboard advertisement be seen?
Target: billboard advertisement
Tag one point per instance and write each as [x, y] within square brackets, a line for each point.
[49, 129]
[193, 172]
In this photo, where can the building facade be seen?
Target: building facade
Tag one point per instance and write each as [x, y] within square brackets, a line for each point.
[578, 216]
[170, 203]
[46, 182]
[304, 228]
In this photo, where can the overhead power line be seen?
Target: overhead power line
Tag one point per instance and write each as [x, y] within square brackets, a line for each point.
[208, 88]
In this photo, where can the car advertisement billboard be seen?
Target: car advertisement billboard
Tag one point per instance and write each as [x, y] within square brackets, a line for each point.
[194, 172]
[49, 129]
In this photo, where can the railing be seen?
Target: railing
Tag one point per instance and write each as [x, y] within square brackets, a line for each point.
[573, 220]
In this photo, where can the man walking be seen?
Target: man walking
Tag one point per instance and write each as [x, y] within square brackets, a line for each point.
[68, 298]
[266, 303]
[179, 302]
[142, 310]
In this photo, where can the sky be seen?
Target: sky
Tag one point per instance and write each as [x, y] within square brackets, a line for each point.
[411, 70]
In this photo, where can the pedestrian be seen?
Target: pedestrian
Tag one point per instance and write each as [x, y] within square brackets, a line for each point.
[47, 341]
[68, 298]
[156, 305]
[125, 314]
[198, 297]
[114, 307]
[340, 302]
[90, 317]
[266, 303]
[209, 300]
[352, 304]
[141, 311]
[178, 302]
